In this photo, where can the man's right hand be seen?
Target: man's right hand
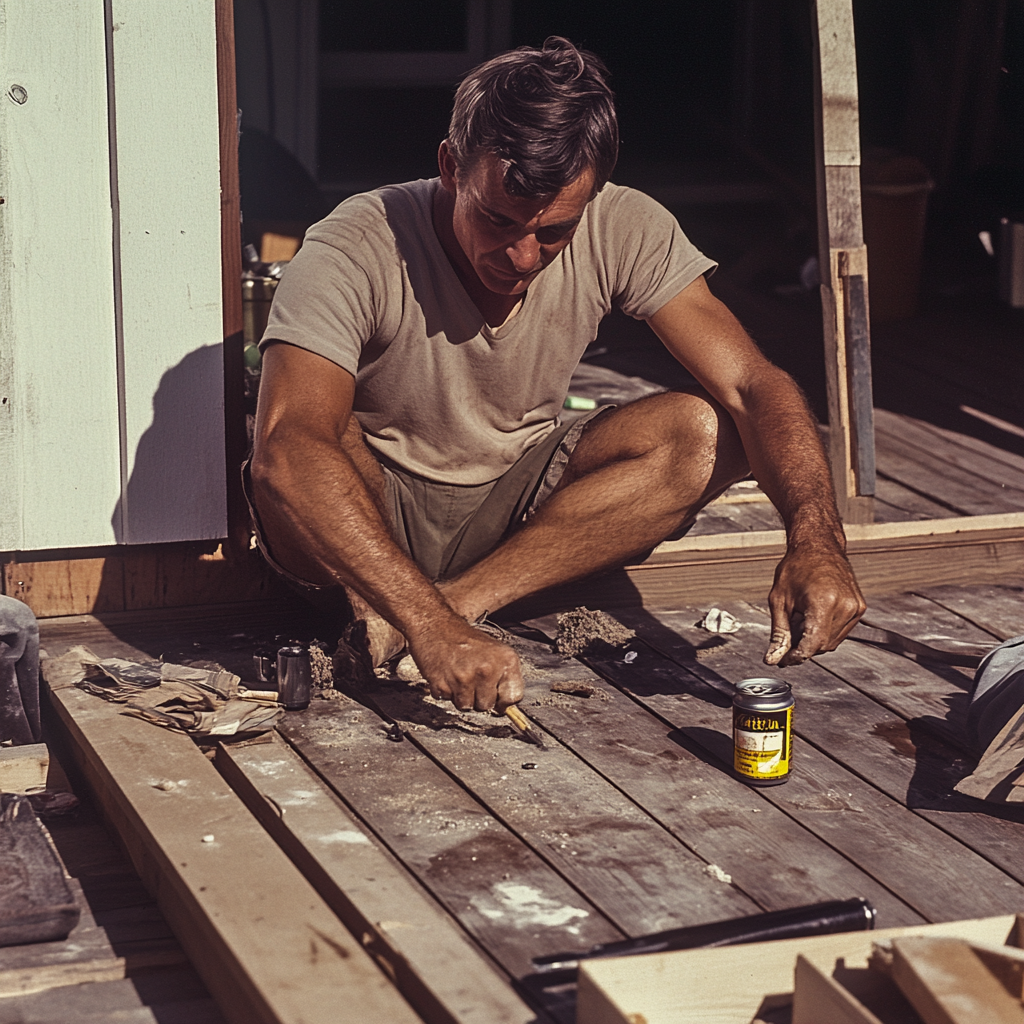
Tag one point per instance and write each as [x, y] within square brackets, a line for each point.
[469, 668]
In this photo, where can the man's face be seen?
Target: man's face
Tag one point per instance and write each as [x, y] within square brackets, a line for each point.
[509, 241]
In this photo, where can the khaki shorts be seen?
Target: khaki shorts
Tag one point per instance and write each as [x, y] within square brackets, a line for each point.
[446, 528]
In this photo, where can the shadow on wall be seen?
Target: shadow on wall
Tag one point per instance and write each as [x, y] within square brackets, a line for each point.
[176, 490]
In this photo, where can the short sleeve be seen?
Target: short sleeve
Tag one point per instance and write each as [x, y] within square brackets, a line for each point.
[652, 260]
[325, 304]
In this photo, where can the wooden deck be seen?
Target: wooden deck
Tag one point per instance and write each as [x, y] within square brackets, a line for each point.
[630, 821]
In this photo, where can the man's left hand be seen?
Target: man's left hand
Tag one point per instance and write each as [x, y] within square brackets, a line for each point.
[815, 602]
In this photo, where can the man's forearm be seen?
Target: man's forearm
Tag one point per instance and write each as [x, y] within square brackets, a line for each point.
[788, 460]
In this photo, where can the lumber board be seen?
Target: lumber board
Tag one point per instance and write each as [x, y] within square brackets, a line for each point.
[886, 557]
[947, 983]
[920, 619]
[998, 610]
[841, 249]
[173, 996]
[24, 768]
[143, 578]
[775, 860]
[730, 985]
[104, 948]
[906, 763]
[235, 435]
[640, 876]
[502, 893]
[435, 965]
[818, 997]
[1011, 461]
[886, 842]
[221, 915]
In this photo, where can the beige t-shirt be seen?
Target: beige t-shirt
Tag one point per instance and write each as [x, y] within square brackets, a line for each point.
[438, 391]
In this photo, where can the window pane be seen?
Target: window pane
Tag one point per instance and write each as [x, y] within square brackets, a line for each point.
[405, 26]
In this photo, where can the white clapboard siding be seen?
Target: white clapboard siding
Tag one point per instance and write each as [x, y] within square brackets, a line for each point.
[59, 452]
[111, 372]
[168, 187]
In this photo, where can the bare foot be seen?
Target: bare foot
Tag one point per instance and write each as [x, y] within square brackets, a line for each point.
[384, 640]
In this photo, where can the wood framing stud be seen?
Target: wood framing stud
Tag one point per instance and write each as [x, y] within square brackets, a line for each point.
[842, 258]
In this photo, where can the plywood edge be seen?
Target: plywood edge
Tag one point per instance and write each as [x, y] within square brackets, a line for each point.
[727, 985]
[266, 945]
[1010, 522]
[432, 961]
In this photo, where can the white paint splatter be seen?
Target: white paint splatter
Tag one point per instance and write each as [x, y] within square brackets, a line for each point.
[526, 907]
[295, 797]
[717, 873]
[351, 836]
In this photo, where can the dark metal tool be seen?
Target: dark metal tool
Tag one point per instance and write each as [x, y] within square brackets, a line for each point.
[827, 918]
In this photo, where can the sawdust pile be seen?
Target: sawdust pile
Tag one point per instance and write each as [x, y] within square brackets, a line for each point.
[323, 670]
[580, 629]
[322, 673]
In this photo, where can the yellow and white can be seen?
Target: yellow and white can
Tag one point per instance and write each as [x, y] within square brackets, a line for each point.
[762, 731]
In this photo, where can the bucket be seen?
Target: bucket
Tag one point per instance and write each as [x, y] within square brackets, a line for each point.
[894, 199]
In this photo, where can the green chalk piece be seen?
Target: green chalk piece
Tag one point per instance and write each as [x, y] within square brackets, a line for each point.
[251, 355]
[576, 402]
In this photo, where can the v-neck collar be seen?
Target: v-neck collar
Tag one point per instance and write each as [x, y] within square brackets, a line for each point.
[489, 332]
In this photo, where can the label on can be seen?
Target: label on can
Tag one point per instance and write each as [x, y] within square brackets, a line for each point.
[762, 743]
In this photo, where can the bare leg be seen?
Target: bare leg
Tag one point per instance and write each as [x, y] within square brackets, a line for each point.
[637, 475]
[385, 641]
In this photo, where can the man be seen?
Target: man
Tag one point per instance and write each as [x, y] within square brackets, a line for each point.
[419, 351]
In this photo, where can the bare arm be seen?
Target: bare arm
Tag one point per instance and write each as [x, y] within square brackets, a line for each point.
[315, 493]
[814, 581]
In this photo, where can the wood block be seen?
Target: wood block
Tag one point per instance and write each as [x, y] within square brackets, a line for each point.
[947, 983]
[275, 247]
[728, 985]
[266, 945]
[818, 997]
[436, 967]
[24, 768]
[1005, 963]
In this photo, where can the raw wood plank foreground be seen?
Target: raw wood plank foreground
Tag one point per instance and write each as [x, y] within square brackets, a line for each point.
[267, 946]
[23, 768]
[731, 985]
[508, 899]
[438, 969]
[886, 557]
[947, 983]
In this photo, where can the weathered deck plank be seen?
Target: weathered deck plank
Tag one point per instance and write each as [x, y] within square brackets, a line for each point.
[998, 610]
[902, 760]
[635, 871]
[771, 857]
[445, 977]
[503, 894]
[823, 794]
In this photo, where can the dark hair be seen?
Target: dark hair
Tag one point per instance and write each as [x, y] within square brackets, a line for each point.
[548, 114]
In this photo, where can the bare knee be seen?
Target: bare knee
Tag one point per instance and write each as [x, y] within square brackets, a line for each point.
[669, 431]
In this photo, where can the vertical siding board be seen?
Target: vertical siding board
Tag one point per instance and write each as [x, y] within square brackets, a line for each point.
[168, 181]
[59, 449]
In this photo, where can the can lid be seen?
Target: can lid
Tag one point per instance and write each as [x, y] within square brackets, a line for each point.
[763, 687]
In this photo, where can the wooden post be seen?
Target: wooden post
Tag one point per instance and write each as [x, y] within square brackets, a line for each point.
[231, 282]
[842, 257]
